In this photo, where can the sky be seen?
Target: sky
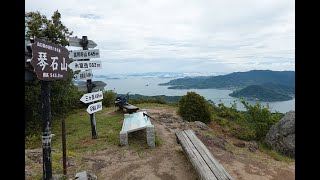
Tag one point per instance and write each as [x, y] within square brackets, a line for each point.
[137, 36]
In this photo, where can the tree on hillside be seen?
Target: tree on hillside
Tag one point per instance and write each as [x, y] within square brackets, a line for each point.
[193, 107]
[64, 96]
[38, 25]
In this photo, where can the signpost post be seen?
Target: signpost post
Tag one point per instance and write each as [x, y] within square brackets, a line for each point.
[50, 62]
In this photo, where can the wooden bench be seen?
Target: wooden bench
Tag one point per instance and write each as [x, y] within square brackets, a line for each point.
[201, 158]
[130, 108]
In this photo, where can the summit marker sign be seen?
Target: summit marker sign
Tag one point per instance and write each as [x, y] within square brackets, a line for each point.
[50, 61]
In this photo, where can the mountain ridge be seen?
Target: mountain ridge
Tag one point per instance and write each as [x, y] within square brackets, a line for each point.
[235, 80]
[265, 85]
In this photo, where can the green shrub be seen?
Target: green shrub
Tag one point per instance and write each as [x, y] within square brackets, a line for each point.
[243, 130]
[252, 124]
[230, 113]
[193, 107]
[108, 98]
[261, 118]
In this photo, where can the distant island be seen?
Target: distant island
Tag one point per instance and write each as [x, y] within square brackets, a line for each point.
[263, 85]
[263, 93]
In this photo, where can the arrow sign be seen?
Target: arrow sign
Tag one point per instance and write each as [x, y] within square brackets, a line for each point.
[92, 108]
[90, 97]
[87, 74]
[84, 65]
[84, 54]
[98, 85]
[76, 42]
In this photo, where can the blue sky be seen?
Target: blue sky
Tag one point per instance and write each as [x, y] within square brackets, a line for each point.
[136, 36]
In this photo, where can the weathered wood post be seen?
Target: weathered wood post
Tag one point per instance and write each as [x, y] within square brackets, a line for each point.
[46, 130]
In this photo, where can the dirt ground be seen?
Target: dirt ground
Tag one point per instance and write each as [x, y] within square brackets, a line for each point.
[168, 161]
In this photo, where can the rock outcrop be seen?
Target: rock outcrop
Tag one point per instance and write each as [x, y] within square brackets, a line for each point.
[281, 136]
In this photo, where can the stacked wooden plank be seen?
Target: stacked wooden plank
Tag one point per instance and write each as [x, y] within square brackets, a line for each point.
[202, 160]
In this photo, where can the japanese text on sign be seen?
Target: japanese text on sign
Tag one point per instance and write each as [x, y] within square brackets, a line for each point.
[93, 97]
[86, 65]
[94, 108]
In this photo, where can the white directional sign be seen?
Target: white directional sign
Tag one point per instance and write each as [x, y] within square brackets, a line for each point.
[76, 42]
[90, 97]
[84, 54]
[84, 65]
[84, 75]
[92, 108]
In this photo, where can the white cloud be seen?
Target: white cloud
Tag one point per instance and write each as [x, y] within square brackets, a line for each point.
[197, 35]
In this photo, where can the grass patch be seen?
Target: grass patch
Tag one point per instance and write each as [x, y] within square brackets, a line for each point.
[78, 131]
[274, 154]
[158, 140]
[33, 141]
[57, 167]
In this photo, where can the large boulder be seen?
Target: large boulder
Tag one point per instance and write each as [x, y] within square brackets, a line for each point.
[281, 136]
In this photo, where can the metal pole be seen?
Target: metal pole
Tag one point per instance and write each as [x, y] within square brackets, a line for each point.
[46, 130]
[89, 89]
[64, 156]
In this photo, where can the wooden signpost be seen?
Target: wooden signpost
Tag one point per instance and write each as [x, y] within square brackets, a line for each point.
[50, 62]
[84, 63]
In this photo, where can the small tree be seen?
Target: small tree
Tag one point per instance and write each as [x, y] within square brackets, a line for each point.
[108, 98]
[261, 118]
[193, 107]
